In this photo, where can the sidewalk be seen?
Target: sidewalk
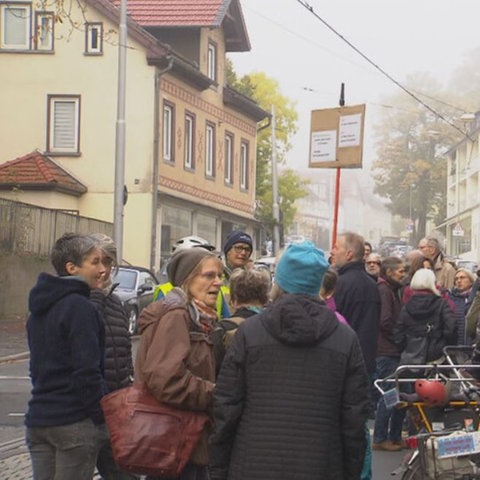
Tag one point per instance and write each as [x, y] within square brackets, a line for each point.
[13, 339]
[14, 457]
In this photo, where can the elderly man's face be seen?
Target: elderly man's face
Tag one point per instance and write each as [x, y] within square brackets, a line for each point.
[372, 264]
[426, 249]
[340, 254]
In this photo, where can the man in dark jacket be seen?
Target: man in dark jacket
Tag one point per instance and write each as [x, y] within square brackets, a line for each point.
[357, 299]
[291, 399]
[356, 294]
[387, 434]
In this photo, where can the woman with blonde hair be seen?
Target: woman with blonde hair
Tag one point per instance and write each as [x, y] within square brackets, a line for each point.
[426, 314]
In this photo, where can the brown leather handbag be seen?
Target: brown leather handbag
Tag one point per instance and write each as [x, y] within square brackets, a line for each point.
[148, 437]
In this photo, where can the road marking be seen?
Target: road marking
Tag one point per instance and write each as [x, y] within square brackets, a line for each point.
[9, 377]
[16, 414]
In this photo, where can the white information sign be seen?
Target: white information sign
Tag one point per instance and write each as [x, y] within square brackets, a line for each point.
[349, 132]
[323, 146]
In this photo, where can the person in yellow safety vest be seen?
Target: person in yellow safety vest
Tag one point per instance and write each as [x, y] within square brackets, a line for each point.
[184, 243]
[238, 249]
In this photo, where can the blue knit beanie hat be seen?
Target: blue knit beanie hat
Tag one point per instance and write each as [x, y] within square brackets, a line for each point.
[300, 269]
[237, 236]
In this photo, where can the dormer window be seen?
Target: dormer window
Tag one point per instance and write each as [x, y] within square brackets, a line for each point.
[93, 40]
[212, 61]
[44, 30]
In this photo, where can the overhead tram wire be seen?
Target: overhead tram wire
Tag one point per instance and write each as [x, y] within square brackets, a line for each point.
[381, 70]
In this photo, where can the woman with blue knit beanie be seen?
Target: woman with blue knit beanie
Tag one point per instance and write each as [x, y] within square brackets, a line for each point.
[291, 399]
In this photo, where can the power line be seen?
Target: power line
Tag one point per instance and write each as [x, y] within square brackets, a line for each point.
[383, 72]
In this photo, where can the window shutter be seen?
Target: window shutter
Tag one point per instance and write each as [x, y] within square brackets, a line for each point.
[64, 125]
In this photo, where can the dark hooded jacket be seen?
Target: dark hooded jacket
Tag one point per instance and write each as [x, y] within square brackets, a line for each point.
[425, 308]
[66, 339]
[291, 399]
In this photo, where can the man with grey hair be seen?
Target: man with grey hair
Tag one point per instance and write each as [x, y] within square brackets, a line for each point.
[357, 299]
[356, 294]
[444, 271]
[372, 265]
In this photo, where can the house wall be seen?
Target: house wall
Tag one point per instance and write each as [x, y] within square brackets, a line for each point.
[27, 79]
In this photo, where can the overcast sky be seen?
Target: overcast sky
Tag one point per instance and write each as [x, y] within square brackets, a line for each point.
[310, 62]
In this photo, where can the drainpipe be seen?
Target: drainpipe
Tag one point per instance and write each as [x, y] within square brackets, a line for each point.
[156, 155]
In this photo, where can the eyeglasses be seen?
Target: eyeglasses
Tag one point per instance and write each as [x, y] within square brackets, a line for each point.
[211, 276]
[373, 263]
[242, 248]
[460, 277]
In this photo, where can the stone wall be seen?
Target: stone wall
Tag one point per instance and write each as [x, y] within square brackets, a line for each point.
[18, 274]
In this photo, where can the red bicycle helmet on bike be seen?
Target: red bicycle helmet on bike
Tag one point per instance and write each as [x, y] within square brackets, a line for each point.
[432, 392]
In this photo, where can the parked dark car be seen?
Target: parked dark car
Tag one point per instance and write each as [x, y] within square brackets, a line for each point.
[135, 289]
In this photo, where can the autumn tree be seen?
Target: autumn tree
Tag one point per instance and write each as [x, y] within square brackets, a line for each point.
[266, 92]
[410, 168]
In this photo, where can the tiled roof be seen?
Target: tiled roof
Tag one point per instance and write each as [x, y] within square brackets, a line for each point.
[36, 171]
[177, 13]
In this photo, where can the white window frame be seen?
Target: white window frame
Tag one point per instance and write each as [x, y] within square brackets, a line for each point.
[210, 150]
[244, 165]
[6, 14]
[44, 30]
[189, 144]
[168, 129]
[212, 61]
[94, 32]
[228, 158]
[63, 124]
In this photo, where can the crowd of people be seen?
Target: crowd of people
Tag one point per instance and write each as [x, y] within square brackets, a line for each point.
[283, 366]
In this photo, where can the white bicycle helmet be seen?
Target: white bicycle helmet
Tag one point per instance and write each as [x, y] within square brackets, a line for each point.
[190, 242]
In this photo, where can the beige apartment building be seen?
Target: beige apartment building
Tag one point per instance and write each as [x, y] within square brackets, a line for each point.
[190, 140]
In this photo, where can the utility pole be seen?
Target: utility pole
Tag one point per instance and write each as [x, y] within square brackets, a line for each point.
[119, 189]
[275, 206]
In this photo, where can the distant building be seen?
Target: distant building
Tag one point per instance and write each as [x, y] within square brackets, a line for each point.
[359, 209]
[463, 195]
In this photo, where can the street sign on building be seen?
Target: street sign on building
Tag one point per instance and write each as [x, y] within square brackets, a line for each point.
[457, 230]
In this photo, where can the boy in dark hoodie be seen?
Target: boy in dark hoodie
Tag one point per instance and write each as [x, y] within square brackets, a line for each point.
[64, 420]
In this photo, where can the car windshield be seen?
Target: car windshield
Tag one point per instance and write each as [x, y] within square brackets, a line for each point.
[126, 279]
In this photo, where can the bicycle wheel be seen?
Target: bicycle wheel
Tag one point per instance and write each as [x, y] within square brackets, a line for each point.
[414, 471]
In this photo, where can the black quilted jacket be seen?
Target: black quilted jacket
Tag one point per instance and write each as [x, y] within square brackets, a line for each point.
[118, 345]
[291, 400]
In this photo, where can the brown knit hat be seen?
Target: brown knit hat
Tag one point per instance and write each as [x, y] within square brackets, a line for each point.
[183, 262]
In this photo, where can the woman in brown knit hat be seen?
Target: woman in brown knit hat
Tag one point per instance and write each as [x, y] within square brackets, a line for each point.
[175, 357]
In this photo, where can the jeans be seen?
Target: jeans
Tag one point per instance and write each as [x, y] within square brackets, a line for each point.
[65, 452]
[388, 423]
[190, 472]
[367, 463]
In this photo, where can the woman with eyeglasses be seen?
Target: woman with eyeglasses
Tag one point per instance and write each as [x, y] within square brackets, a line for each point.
[175, 358]
[459, 295]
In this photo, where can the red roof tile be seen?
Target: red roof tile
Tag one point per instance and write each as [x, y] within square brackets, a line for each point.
[177, 13]
[36, 171]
